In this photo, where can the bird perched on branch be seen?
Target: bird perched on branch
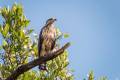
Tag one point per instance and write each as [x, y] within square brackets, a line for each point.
[47, 40]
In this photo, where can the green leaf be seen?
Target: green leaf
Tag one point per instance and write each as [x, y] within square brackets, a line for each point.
[66, 35]
[14, 8]
[0, 28]
[22, 34]
[30, 31]
[26, 23]
[0, 10]
[6, 29]
[4, 43]
[1, 47]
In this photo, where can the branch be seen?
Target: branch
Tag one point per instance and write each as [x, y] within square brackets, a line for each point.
[23, 68]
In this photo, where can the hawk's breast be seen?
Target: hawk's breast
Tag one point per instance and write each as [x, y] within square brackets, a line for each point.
[49, 33]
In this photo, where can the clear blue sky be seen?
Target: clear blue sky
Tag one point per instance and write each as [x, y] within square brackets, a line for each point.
[94, 28]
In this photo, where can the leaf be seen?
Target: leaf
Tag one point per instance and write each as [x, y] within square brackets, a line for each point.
[4, 43]
[1, 28]
[58, 30]
[22, 34]
[30, 31]
[6, 29]
[14, 8]
[0, 10]
[66, 35]
[1, 47]
[26, 23]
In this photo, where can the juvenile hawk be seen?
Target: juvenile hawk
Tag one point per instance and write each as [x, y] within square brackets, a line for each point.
[47, 39]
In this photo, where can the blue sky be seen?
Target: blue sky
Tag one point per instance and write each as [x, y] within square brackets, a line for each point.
[94, 28]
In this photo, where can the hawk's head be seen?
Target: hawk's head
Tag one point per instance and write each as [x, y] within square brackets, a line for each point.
[50, 21]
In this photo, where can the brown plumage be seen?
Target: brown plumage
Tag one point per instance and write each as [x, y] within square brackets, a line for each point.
[47, 39]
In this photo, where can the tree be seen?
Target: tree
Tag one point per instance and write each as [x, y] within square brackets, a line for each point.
[91, 75]
[18, 48]
[103, 78]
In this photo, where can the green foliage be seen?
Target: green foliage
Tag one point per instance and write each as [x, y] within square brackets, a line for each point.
[103, 78]
[14, 39]
[18, 48]
[66, 35]
[91, 75]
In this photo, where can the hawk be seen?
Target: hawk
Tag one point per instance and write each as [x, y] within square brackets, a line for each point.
[47, 40]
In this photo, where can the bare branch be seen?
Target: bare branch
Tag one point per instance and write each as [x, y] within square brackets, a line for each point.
[23, 68]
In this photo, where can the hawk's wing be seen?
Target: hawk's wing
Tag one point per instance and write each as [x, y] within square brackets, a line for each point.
[40, 40]
[46, 41]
